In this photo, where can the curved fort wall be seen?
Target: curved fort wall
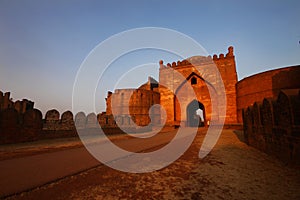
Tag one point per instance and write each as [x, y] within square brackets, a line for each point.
[265, 85]
[273, 125]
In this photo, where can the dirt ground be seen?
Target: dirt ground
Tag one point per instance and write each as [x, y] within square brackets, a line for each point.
[9, 151]
[232, 170]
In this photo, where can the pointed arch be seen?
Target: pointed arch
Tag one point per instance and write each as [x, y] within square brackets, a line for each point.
[194, 120]
[193, 74]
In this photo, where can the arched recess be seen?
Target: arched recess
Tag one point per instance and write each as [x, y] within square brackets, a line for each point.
[204, 92]
[193, 118]
[192, 75]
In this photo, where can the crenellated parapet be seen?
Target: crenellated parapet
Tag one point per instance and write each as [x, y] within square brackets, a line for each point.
[273, 125]
[229, 55]
[52, 120]
[199, 60]
[187, 62]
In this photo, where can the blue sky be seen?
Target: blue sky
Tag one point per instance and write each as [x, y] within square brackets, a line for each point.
[43, 43]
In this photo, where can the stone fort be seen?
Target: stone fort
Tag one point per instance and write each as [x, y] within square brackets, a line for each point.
[135, 103]
[267, 104]
[153, 92]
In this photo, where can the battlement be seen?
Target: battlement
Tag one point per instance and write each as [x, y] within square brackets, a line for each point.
[221, 56]
[198, 60]
[21, 106]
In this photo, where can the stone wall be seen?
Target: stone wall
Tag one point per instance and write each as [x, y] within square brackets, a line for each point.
[21, 105]
[17, 127]
[20, 122]
[265, 85]
[273, 125]
[130, 108]
[175, 80]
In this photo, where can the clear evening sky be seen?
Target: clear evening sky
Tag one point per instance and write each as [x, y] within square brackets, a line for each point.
[43, 43]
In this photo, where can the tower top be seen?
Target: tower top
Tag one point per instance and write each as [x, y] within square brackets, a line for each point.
[230, 51]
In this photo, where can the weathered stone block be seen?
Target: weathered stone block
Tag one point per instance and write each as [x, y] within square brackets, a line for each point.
[80, 120]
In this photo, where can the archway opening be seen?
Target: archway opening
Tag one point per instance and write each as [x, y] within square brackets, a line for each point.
[195, 114]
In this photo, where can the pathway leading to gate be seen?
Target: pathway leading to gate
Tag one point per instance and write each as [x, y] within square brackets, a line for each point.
[28, 172]
[232, 170]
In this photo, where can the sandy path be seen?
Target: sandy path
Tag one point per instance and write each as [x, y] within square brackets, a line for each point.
[27, 172]
[232, 170]
[9, 151]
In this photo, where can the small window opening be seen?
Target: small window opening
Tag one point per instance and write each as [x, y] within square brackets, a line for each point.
[194, 81]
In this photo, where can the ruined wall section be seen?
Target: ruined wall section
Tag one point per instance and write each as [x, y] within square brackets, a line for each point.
[29, 126]
[134, 104]
[151, 84]
[18, 127]
[265, 85]
[20, 105]
[273, 126]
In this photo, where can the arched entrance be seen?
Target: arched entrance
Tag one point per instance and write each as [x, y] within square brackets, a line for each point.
[195, 114]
